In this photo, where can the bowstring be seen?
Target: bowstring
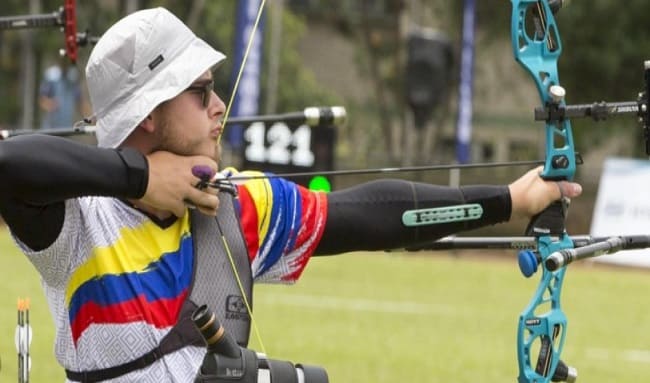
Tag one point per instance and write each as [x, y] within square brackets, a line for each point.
[223, 127]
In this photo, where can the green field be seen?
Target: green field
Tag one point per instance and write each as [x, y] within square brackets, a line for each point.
[418, 317]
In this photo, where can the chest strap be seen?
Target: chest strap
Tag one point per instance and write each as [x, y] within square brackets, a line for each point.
[213, 283]
[173, 341]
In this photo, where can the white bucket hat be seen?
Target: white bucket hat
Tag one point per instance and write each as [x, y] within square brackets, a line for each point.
[146, 58]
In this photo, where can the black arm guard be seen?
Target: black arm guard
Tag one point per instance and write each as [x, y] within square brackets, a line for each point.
[369, 216]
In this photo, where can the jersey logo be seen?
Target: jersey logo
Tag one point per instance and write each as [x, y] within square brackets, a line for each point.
[236, 308]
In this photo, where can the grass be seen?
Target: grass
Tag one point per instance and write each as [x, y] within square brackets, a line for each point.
[419, 317]
[386, 318]
[19, 280]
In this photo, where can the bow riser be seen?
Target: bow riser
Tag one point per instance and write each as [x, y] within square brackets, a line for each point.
[537, 47]
[539, 55]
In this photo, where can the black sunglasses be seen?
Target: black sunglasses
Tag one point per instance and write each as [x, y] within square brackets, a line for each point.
[205, 89]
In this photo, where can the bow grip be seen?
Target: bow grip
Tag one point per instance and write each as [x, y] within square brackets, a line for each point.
[549, 221]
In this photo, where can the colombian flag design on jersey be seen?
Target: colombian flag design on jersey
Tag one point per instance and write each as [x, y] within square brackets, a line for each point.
[282, 224]
[144, 275]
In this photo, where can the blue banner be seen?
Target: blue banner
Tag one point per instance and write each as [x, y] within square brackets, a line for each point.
[246, 100]
[464, 123]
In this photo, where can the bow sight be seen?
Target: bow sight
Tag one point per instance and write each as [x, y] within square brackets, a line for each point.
[227, 362]
[600, 111]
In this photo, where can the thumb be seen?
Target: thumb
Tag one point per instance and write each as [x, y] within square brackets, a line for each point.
[569, 189]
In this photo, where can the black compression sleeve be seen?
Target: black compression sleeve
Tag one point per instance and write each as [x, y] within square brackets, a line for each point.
[44, 169]
[38, 173]
[369, 216]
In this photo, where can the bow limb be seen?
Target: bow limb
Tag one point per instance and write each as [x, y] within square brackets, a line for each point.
[542, 325]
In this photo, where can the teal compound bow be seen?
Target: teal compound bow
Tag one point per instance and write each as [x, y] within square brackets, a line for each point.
[537, 48]
[542, 325]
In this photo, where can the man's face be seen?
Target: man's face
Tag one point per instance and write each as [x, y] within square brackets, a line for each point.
[190, 123]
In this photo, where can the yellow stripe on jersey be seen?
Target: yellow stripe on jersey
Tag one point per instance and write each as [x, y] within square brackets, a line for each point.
[134, 249]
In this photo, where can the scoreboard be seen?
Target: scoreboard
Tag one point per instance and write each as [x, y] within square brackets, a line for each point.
[295, 142]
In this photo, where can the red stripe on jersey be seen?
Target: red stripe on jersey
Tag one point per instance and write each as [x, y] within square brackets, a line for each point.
[249, 221]
[314, 213]
[160, 314]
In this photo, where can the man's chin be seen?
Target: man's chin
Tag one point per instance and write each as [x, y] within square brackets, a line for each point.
[211, 151]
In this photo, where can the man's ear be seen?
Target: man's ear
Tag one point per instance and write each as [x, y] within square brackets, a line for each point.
[147, 124]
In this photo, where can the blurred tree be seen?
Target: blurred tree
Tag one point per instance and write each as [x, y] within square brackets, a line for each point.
[211, 20]
[10, 42]
[602, 59]
[292, 71]
[604, 46]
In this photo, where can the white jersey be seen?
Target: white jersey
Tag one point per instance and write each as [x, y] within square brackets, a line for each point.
[114, 271]
[115, 280]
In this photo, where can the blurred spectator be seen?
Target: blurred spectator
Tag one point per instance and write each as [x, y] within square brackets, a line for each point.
[59, 97]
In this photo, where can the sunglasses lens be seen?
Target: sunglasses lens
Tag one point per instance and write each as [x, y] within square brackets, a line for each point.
[207, 92]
